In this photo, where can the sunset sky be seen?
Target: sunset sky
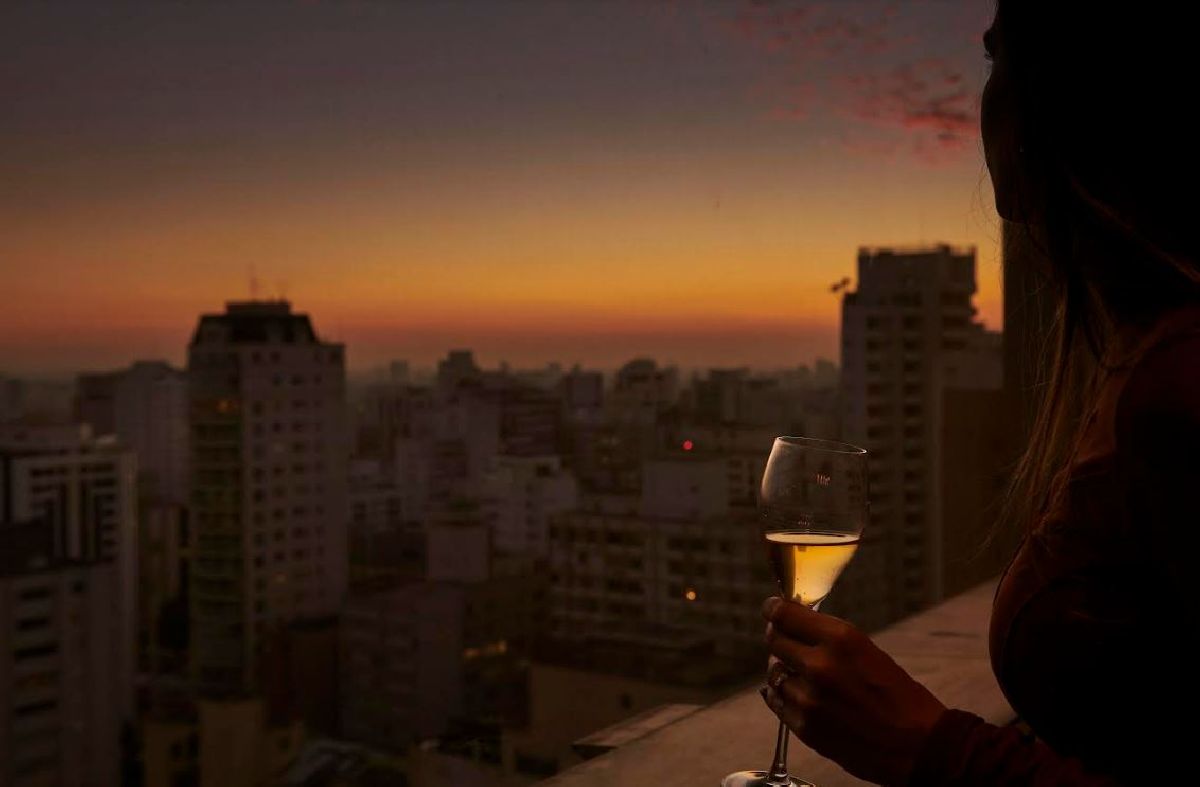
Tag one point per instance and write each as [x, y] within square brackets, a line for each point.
[574, 180]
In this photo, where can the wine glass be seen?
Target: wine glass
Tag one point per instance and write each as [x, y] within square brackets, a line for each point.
[812, 509]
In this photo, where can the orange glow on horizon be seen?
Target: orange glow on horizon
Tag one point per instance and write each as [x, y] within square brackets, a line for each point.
[528, 254]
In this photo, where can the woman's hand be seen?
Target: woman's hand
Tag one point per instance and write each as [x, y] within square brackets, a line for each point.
[843, 696]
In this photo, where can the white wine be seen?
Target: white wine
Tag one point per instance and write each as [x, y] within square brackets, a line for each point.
[811, 505]
[807, 564]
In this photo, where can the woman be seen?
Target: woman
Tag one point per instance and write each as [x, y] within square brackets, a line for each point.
[1088, 139]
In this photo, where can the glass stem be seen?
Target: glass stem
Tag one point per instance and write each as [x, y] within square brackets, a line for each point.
[778, 775]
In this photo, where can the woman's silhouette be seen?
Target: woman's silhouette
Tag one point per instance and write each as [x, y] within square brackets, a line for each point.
[1093, 154]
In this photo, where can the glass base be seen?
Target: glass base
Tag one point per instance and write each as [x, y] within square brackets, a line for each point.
[759, 779]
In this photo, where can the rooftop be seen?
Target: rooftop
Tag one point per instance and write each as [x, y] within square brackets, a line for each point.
[945, 647]
[913, 250]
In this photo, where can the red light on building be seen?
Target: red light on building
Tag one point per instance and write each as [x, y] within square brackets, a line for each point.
[688, 445]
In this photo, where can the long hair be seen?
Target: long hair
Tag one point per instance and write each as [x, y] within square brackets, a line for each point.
[1107, 156]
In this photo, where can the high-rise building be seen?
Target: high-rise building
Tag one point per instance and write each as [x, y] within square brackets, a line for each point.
[61, 680]
[145, 406]
[977, 456]
[421, 656]
[529, 417]
[81, 490]
[523, 493]
[385, 412]
[458, 368]
[909, 335]
[744, 449]
[984, 431]
[95, 401]
[385, 537]
[642, 391]
[269, 471]
[217, 742]
[783, 402]
[582, 395]
[678, 554]
[162, 580]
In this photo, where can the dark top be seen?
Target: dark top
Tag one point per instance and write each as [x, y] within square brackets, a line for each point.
[1094, 627]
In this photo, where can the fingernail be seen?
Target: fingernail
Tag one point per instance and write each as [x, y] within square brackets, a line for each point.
[770, 605]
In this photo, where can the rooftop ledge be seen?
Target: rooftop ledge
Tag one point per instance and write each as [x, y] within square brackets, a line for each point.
[945, 647]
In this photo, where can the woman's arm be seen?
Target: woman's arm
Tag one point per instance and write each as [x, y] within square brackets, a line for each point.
[850, 702]
[963, 749]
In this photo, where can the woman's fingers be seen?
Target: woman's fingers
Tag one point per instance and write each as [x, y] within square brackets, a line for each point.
[790, 713]
[794, 655]
[800, 622]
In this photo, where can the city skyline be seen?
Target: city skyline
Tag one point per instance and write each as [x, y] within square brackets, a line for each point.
[433, 569]
[677, 179]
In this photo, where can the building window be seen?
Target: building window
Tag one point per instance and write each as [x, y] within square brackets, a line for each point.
[38, 652]
[32, 624]
[34, 708]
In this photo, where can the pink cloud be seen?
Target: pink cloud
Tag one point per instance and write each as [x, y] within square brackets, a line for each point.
[927, 96]
[845, 59]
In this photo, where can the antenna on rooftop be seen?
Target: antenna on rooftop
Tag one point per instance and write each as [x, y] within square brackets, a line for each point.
[253, 284]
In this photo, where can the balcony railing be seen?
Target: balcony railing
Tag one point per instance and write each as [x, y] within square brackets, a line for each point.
[945, 647]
